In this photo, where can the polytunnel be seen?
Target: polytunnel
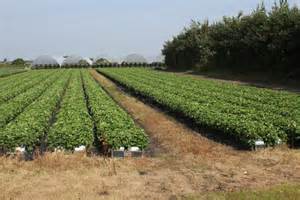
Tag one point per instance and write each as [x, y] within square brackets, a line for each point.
[88, 60]
[72, 60]
[135, 58]
[59, 59]
[44, 60]
[101, 60]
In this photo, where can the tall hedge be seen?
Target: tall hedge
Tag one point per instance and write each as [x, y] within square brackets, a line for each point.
[262, 40]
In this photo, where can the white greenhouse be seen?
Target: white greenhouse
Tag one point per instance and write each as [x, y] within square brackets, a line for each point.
[135, 58]
[75, 60]
[88, 60]
[101, 60]
[43, 61]
[72, 60]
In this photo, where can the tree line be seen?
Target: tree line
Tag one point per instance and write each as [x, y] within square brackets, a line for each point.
[262, 41]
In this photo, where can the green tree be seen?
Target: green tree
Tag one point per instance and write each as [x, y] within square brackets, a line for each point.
[263, 40]
[18, 61]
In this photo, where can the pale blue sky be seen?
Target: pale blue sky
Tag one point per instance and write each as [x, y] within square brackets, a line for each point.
[29, 28]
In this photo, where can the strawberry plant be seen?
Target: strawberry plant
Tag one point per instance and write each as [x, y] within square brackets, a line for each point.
[30, 127]
[245, 113]
[15, 106]
[114, 126]
[19, 86]
[74, 126]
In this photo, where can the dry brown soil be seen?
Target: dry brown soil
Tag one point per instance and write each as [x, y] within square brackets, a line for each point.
[181, 163]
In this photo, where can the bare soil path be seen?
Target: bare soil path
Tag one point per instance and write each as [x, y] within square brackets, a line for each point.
[181, 164]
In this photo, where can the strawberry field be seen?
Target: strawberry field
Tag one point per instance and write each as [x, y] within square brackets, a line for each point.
[62, 109]
[66, 108]
[247, 114]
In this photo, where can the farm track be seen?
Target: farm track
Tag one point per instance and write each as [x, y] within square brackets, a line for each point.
[182, 150]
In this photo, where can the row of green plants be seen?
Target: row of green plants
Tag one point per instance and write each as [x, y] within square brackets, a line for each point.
[73, 127]
[54, 114]
[29, 129]
[7, 81]
[229, 108]
[242, 96]
[250, 109]
[19, 85]
[114, 126]
[15, 106]
[264, 41]
[7, 70]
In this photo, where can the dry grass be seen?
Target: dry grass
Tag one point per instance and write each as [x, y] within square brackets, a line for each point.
[61, 176]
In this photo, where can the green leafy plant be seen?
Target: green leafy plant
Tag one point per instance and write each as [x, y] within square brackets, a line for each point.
[114, 126]
[74, 126]
[245, 113]
[17, 86]
[30, 127]
[15, 106]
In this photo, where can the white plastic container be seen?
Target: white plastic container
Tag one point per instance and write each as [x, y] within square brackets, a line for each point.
[135, 152]
[259, 144]
[20, 150]
[59, 149]
[122, 149]
[279, 141]
[81, 148]
[134, 149]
